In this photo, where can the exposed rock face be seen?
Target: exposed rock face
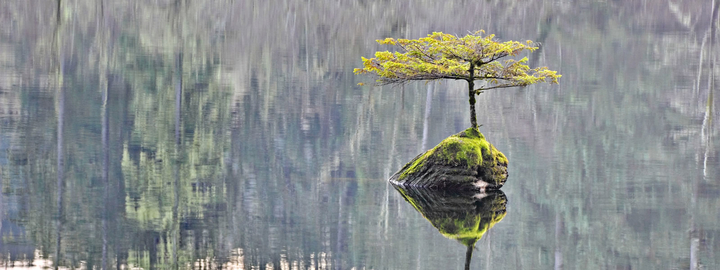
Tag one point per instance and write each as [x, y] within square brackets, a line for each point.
[462, 161]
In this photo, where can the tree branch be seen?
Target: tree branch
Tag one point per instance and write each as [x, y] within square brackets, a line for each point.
[494, 77]
[424, 53]
[481, 89]
[496, 57]
[422, 77]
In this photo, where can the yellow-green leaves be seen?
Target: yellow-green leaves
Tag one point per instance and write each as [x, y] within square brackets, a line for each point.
[445, 56]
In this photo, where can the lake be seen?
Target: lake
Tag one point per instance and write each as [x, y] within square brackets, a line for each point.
[234, 135]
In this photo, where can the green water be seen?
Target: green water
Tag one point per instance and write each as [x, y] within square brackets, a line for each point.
[233, 135]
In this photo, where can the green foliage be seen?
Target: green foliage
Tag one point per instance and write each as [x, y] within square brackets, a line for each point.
[445, 56]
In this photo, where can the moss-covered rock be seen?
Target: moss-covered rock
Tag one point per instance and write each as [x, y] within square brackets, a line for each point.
[462, 161]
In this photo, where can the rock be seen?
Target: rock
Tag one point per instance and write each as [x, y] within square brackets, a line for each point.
[463, 161]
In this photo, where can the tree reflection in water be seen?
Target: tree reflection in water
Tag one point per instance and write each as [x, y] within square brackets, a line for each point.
[461, 215]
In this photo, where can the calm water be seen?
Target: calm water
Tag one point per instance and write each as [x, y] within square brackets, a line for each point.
[232, 134]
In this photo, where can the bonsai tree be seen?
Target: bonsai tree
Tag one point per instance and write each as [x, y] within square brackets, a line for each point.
[471, 58]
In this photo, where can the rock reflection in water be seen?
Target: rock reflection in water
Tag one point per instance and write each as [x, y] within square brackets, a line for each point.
[461, 215]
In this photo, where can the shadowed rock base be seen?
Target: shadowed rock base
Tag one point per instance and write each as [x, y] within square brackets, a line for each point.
[464, 161]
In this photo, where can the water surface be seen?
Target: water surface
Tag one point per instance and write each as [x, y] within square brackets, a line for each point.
[233, 134]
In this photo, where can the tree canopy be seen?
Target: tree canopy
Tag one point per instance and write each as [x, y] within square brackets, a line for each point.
[445, 56]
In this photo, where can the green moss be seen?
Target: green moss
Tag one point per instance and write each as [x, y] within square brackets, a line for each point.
[458, 215]
[415, 164]
[470, 229]
[472, 226]
[467, 148]
[409, 199]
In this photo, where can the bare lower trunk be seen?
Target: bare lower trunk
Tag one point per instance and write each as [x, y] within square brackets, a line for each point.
[471, 97]
[468, 255]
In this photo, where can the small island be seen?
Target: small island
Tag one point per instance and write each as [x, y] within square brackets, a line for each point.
[464, 160]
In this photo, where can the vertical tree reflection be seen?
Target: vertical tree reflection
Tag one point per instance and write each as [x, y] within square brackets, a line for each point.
[105, 171]
[178, 160]
[60, 109]
[706, 138]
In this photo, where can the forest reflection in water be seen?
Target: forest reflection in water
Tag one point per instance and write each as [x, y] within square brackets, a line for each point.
[232, 134]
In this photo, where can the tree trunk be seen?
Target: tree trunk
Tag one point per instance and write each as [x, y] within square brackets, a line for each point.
[471, 96]
[468, 256]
